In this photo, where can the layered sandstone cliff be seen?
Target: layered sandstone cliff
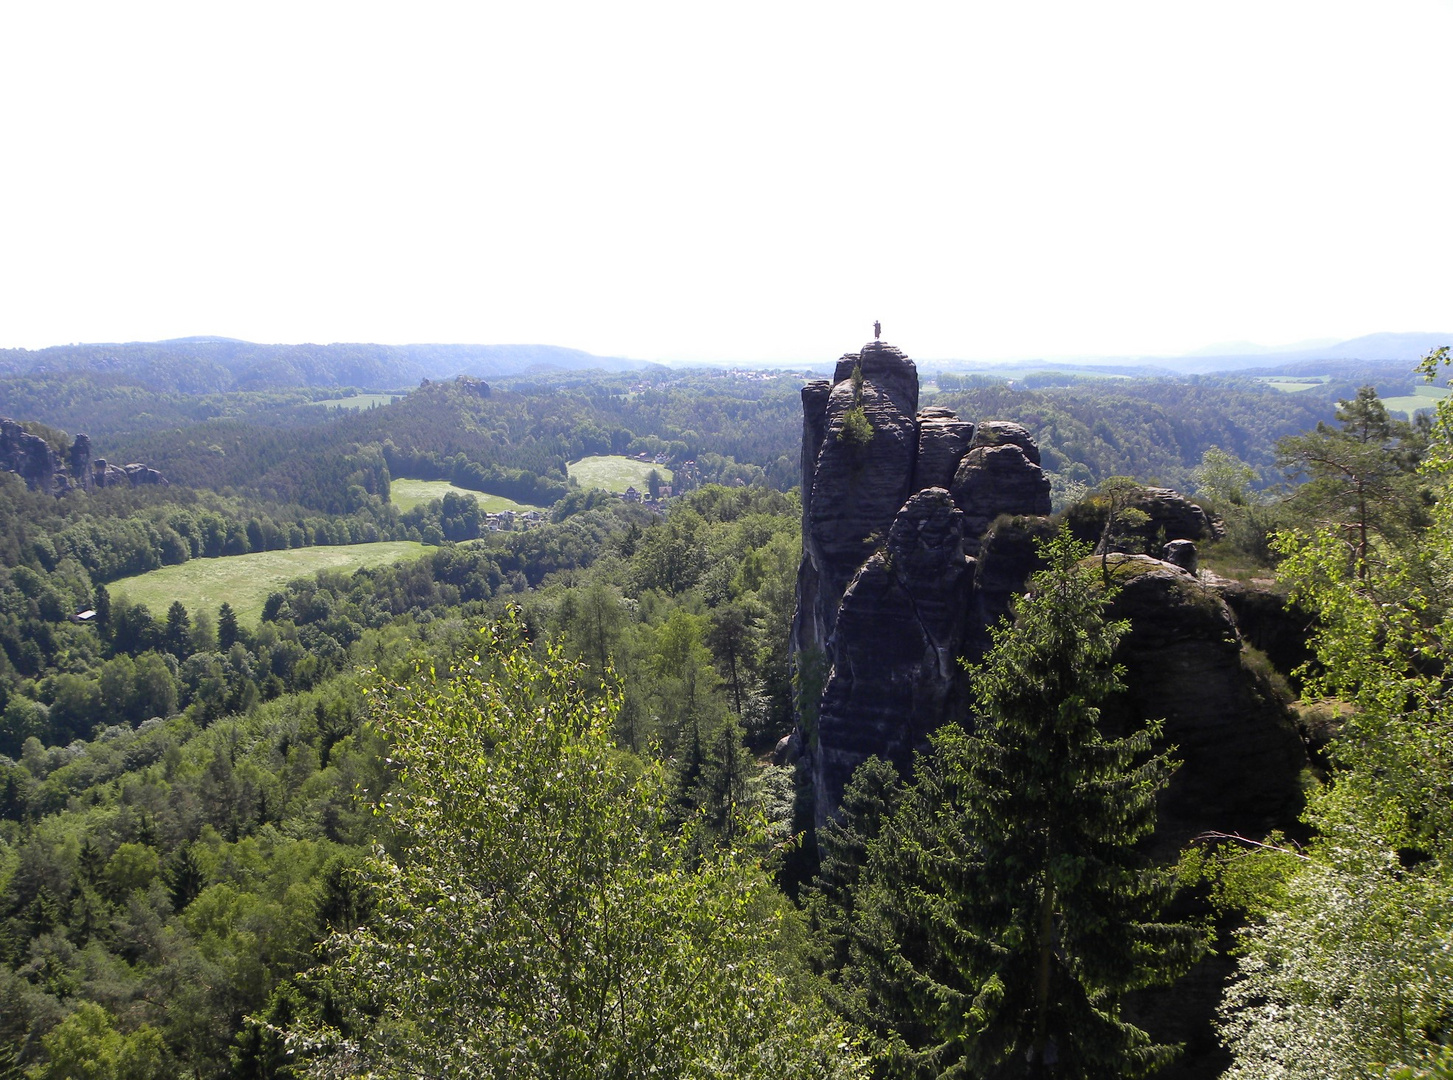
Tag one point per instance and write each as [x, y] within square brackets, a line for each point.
[918, 534]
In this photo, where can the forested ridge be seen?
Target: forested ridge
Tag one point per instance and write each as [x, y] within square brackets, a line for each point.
[238, 850]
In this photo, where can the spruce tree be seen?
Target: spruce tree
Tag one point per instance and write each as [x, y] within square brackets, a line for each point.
[226, 627]
[177, 636]
[1005, 909]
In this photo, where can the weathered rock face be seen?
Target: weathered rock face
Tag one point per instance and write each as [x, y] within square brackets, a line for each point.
[994, 480]
[80, 462]
[1240, 752]
[915, 543]
[104, 474]
[943, 440]
[857, 486]
[138, 474]
[28, 455]
[1172, 514]
[42, 469]
[896, 642]
[885, 589]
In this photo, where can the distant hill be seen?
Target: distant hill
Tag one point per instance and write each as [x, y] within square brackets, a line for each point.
[1406, 348]
[1251, 348]
[203, 365]
[1373, 351]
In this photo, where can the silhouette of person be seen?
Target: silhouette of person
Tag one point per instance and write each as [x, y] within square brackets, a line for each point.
[877, 329]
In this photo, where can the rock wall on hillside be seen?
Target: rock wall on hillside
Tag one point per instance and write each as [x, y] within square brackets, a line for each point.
[43, 469]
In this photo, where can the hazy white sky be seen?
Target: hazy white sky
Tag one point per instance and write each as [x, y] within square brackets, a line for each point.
[729, 181]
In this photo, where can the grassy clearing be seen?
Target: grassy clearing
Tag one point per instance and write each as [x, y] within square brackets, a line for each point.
[407, 494]
[1422, 397]
[615, 473]
[1291, 385]
[359, 401]
[245, 580]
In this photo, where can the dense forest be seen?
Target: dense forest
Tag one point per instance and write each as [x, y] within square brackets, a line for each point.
[512, 808]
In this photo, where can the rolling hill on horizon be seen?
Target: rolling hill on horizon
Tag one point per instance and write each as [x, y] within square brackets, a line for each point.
[201, 365]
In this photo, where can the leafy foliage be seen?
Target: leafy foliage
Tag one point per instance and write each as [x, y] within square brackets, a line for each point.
[546, 921]
[1346, 969]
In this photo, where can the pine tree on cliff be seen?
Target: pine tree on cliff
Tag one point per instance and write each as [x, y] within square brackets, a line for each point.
[1005, 909]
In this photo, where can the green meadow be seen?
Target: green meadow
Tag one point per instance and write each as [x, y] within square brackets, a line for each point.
[245, 580]
[358, 401]
[1423, 397]
[615, 473]
[407, 494]
[1291, 385]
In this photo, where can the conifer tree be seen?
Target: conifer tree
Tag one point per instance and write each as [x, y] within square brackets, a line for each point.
[1005, 909]
[226, 627]
[1360, 479]
[177, 636]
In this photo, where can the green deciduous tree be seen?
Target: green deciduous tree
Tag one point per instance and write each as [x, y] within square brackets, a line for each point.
[1346, 969]
[546, 921]
[1223, 477]
[86, 1046]
[1005, 908]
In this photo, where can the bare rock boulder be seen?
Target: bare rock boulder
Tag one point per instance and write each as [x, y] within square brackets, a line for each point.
[998, 479]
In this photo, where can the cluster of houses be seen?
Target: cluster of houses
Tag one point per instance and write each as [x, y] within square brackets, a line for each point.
[510, 520]
[633, 496]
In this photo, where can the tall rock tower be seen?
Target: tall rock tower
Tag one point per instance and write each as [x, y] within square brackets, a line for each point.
[895, 504]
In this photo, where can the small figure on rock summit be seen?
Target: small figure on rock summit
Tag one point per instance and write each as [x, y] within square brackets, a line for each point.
[877, 329]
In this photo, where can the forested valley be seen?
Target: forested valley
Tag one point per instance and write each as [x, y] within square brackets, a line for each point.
[517, 806]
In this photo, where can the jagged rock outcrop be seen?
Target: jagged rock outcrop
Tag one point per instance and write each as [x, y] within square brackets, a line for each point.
[1176, 517]
[80, 461]
[1169, 516]
[28, 455]
[1181, 553]
[916, 539]
[943, 439]
[891, 518]
[998, 479]
[916, 542]
[858, 483]
[138, 475]
[1240, 752]
[897, 642]
[43, 469]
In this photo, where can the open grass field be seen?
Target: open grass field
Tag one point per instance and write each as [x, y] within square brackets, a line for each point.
[407, 494]
[1423, 397]
[615, 473]
[358, 401]
[245, 580]
[1290, 385]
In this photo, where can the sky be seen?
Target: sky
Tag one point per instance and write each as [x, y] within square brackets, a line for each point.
[728, 182]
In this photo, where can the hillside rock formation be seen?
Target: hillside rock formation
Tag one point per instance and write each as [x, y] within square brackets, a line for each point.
[43, 469]
[916, 538]
[28, 455]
